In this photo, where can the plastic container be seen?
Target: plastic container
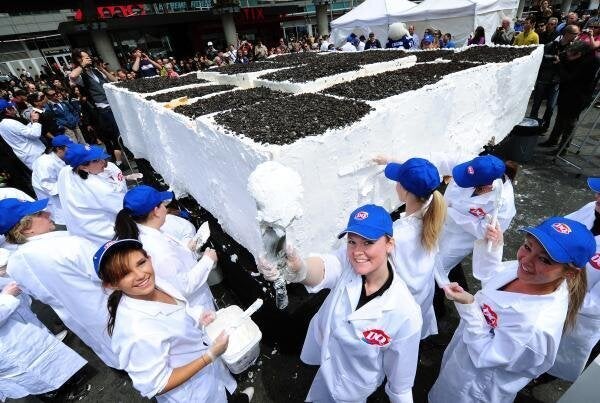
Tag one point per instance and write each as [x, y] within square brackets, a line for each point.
[243, 348]
[520, 144]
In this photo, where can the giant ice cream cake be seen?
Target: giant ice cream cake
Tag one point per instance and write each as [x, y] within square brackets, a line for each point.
[321, 117]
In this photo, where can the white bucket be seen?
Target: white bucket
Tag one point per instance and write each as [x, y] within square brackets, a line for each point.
[243, 348]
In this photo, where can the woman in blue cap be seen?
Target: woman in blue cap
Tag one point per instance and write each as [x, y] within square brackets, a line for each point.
[44, 177]
[91, 192]
[157, 333]
[417, 232]
[369, 327]
[577, 343]
[510, 330]
[144, 213]
[471, 200]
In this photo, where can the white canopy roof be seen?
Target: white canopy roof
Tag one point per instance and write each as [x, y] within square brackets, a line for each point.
[372, 12]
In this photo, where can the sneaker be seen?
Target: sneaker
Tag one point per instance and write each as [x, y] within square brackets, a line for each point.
[249, 391]
[548, 144]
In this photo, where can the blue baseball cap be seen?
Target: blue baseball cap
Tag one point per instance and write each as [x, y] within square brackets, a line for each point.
[428, 38]
[369, 221]
[565, 240]
[79, 154]
[13, 210]
[5, 104]
[417, 175]
[594, 184]
[61, 140]
[479, 171]
[109, 248]
[140, 200]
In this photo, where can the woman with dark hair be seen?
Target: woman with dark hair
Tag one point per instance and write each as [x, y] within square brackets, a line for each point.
[478, 37]
[510, 330]
[157, 333]
[144, 213]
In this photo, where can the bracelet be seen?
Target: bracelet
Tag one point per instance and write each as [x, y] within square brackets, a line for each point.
[211, 356]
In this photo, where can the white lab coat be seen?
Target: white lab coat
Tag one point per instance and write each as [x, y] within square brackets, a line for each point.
[23, 139]
[466, 221]
[577, 343]
[33, 360]
[90, 206]
[44, 180]
[175, 263]
[348, 47]
[337, 339]
[57, 269]
[11, 193]
[504, 339]
[152, 338]
[179, 228]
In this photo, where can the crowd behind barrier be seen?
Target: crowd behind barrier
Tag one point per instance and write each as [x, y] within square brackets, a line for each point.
[143, 272]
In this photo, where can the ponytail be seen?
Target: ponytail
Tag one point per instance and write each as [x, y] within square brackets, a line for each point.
[512, 169]
[125, 226]
[433, 221]
[112, 305]
[577, 286]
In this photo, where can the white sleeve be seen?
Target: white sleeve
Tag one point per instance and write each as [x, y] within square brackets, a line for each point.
[591, 302]
[333, 271]
[50, 185]
[513, 348]
[486, 264]
[476, 226]
[32, 130]
[8, 304]
[191, 280]
[146, 361]
[400, 365]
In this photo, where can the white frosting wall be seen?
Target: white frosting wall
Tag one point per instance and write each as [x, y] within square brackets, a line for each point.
[451, 119]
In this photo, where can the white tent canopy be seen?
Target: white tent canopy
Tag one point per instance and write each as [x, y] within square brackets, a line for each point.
[370, 16]
[459, 17]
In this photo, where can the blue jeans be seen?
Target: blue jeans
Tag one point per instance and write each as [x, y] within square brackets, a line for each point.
[544, 91]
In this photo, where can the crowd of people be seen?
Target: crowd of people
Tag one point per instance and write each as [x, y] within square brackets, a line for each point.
[130, 279]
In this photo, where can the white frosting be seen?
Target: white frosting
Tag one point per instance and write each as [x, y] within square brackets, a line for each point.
[456, 116]
[277, 190]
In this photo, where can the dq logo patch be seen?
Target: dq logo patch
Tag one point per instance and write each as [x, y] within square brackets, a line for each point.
[477, 212]
[361, 215]
[562, 228]
[87, 147]
[376, 337]
[490, 316]
[595, 261]
[470, 170]
[120, 176]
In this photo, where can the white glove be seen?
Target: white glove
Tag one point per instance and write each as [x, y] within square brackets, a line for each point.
[296, 269]
[134, 177]
[268, 270]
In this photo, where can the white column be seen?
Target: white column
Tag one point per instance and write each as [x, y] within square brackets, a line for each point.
[520, 8]
[565, 6]
[322, 21]
[229, 28]
[105, 49]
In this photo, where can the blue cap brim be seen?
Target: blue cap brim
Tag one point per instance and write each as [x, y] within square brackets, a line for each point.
[372, 234]
[166, 196]
[392, 171]
[36, 206]
[554, 250]
[460, 176]
[116, 246]
[594, 184]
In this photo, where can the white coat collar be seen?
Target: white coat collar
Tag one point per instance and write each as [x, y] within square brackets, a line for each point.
[373, 309]
[512, 299]
[153, 308]
[419, 213]
[144, 229]
[49, 235]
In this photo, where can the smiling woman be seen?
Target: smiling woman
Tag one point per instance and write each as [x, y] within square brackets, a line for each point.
[369, 326]
[510, 330]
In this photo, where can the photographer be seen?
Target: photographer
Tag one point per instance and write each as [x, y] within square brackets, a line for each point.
[143, 65]
[504, 34]
[92, 77]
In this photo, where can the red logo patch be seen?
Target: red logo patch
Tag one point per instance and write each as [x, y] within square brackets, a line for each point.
[361, 215]
[470, 170]
[477, 212]
[120, 176]
[595, 261]
[562, 228]
[376, 337]
[490, 316]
